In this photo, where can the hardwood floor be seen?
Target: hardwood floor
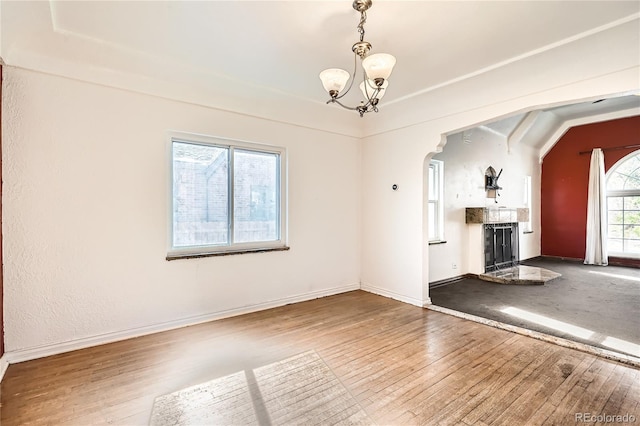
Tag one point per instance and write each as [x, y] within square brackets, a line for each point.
[403, 364]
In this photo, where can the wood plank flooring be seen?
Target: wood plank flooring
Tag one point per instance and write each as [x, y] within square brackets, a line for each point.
[403, 365]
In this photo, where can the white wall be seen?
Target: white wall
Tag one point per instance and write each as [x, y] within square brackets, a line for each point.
[465, 164]
[85, 205]
[394, 237]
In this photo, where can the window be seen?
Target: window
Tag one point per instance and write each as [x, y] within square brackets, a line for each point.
[623, 205]
[435, 212]
[226, 196]
[526, 226]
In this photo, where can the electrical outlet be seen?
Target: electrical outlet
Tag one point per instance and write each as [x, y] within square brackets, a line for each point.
[454, 266]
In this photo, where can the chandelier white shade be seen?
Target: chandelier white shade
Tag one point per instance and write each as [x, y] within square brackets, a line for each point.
[379, 65]
[334, 79]
[369, 86]
[376, 71]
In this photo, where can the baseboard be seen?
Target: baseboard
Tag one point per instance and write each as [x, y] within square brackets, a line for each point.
[624, 261]
[12, 357]
[446, 281]
[567, 259]
[4, 364]
[392, 295]
[540, 257]
[613, 260]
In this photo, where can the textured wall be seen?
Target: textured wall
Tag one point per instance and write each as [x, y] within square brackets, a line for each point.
[1, 255]
[86, 210]
[565, 182]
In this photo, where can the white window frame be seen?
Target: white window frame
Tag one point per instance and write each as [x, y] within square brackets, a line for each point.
[621, 193]
[437, 200]
[230, 247]
[527, 226]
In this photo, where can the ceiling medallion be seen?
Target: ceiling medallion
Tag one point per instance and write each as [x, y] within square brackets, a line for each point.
[376, 70]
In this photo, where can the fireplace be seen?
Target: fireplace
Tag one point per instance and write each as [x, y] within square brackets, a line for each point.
[500, 245]
[493, 237]
[493, 244]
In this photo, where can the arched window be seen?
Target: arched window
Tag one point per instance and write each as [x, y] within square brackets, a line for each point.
[623, 203]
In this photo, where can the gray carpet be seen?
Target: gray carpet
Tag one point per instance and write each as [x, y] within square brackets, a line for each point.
[604, 302]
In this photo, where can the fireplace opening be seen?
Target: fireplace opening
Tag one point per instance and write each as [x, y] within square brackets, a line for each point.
[500, 245]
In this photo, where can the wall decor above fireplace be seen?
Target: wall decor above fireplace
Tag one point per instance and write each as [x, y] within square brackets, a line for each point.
[491, 183]
[491, 179]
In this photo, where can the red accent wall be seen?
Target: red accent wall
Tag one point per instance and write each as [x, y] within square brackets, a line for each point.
[565, 182]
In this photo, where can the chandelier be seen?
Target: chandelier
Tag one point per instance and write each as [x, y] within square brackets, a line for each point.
[377, 69]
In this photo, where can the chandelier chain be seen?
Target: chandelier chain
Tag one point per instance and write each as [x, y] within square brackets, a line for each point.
[363, 19]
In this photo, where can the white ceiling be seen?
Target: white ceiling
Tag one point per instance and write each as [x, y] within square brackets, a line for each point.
[267, 54]
[283, 45]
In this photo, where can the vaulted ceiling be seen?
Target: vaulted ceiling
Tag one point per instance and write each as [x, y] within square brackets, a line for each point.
[542, 128]
[268, 50]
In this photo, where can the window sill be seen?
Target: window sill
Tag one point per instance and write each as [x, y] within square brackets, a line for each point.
[622, 255]
[433, 243]
[177, 256]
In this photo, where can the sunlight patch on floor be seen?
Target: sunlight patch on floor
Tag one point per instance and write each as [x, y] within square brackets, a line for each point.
[565, 327]
[583, 333]
[624, 277]
[622, 345]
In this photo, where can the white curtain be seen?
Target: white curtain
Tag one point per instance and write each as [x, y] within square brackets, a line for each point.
[596, 252]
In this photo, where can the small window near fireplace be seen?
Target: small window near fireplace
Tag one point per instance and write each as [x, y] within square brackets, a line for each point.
[526, 226]
[435, 213]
